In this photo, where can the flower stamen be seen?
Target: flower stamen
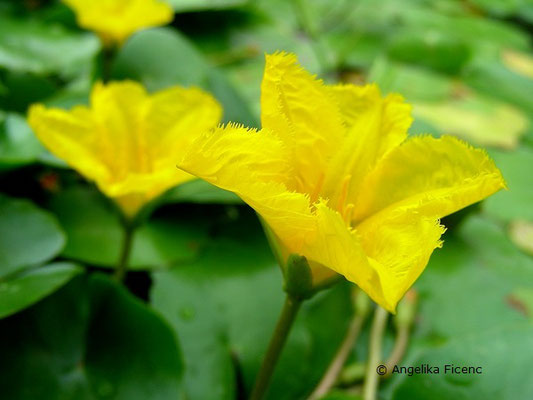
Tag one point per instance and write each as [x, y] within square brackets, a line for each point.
[344, 192]
[347, 213]
[318, 187]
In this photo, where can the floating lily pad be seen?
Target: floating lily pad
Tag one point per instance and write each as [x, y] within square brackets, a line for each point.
[515, 203]
[95, 233]
[488, 350]
[18, 144]
[33, 46]
[28, 287]
[90, 340]
[28, 235]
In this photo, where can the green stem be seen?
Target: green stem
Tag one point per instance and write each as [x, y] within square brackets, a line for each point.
[400, 346]
[370, 387]
[107, 61]
[279, 337]
[330, 377]
[127, 242]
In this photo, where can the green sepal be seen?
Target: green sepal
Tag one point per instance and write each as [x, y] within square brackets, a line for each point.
[298, 278]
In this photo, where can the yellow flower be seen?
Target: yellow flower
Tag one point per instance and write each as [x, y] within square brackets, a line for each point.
[127, 141]
[115, 20]
[333, 176]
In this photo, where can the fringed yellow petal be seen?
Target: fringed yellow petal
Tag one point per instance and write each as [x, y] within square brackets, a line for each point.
[398, 244]
[115, 20]
[301, 111]
[375, 125]
[435, 176]
[253, 164]
[226, 154]
[336, 246]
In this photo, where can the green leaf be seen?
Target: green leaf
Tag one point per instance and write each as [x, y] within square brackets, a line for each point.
[226, 267]
[478, 32]
[526, 12]
[412, 82]
[23, 89]
[30, 286]
[522, 298]
[500, 8]
[477, 119]
[501, 353]
[92, 226]
[354, 51]
[95, 233]
[162, 57]
[476, 270]
[495, 250]
[514, 203]
[234, 291]
[89, 340]
[201, 5]
[18, 144]
[470, 315]
[494, 79]
[247, 77]
[236, 109]
[28, 235]
[125, 361]
[202, 332]
[31, 46]
[439, 50]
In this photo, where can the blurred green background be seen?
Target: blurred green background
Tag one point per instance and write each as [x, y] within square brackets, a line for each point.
[205, 291]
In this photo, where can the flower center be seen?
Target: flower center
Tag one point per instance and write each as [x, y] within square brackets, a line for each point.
[337, 201]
